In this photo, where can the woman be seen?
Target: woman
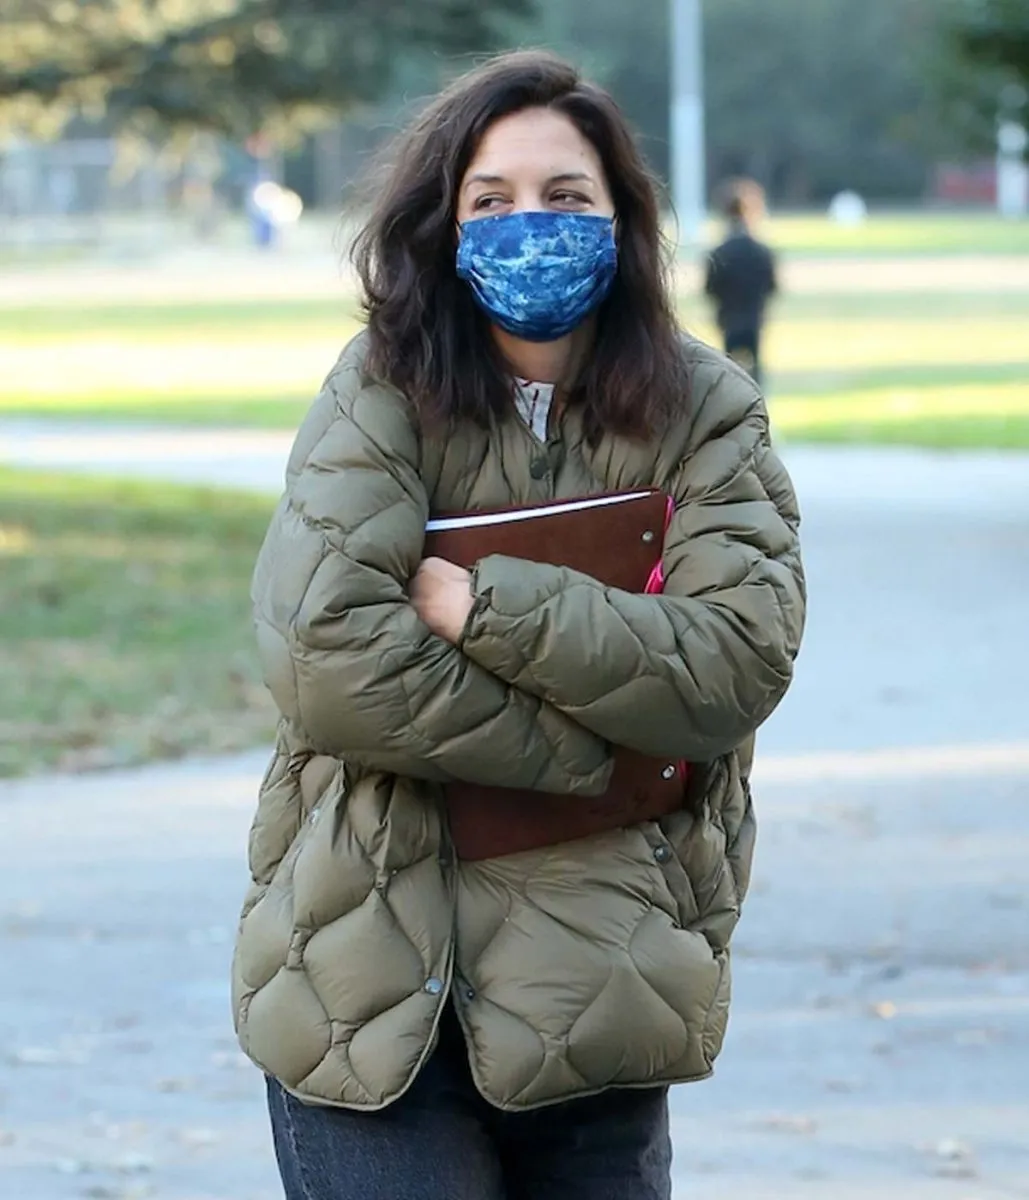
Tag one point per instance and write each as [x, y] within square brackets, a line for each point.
[508, 1027]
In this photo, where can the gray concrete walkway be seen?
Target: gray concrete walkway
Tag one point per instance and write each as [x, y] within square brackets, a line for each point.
[880, 1040]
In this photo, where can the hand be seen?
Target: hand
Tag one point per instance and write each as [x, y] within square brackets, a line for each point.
[441, 594]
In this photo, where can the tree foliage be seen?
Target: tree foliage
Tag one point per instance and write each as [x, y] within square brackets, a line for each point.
[814, 96]
[985, 75]
[233, 66]
[994, 34]
[809, 96]
[979, 71]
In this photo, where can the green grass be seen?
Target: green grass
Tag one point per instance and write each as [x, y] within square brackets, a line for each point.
[125, 628]
[901, 234]
[930, 380]
[259, 364]
[163, 323]
[954, 416]
[199, 408]
[954, 345]
[905, 378]
[844, 306]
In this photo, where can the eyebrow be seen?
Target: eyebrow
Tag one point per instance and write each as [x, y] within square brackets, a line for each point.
[563, 177]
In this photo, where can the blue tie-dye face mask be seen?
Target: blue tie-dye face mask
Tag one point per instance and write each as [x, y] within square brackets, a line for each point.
[538, 275]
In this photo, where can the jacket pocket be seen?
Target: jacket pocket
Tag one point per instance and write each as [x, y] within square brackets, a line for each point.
[677, 883]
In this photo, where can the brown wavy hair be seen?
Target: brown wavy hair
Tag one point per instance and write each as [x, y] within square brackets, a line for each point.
[426, 335]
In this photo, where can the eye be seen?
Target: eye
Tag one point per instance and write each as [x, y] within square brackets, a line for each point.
[486, 203]
[566, 199]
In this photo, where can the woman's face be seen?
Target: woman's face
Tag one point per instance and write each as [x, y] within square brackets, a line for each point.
[535, 160]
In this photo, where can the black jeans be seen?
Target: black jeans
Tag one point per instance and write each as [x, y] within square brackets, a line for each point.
[442, 1141]
[743, 346]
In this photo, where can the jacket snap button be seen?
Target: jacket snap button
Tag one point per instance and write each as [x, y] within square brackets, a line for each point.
[538, 468]
[667, 772]
[433, 986]
[469, 993]
[648, 537]
[662, 853]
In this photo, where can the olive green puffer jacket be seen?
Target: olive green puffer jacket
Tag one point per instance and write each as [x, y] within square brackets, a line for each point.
[602, 962]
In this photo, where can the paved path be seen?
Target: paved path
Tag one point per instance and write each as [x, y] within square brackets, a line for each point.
[880, 1041]
[245, 458]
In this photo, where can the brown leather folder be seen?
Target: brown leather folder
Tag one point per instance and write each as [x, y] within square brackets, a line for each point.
[616, 539]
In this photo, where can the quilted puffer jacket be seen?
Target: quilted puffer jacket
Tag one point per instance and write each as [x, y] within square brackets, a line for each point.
[602, 962]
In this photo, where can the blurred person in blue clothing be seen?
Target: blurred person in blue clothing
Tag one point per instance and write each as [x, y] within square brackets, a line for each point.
[741, 276]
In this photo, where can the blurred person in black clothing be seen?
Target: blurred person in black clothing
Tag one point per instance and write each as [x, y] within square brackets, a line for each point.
[741, 276]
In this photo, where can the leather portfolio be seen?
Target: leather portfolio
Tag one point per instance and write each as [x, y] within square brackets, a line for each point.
[616, 539]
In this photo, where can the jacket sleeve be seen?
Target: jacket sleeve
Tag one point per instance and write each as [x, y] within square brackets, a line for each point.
[692, 672]
[347, 659]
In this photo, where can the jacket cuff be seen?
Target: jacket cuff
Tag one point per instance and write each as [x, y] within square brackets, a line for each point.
[502, 630]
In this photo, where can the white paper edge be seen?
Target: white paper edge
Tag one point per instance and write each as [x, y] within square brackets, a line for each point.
[482, 520]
